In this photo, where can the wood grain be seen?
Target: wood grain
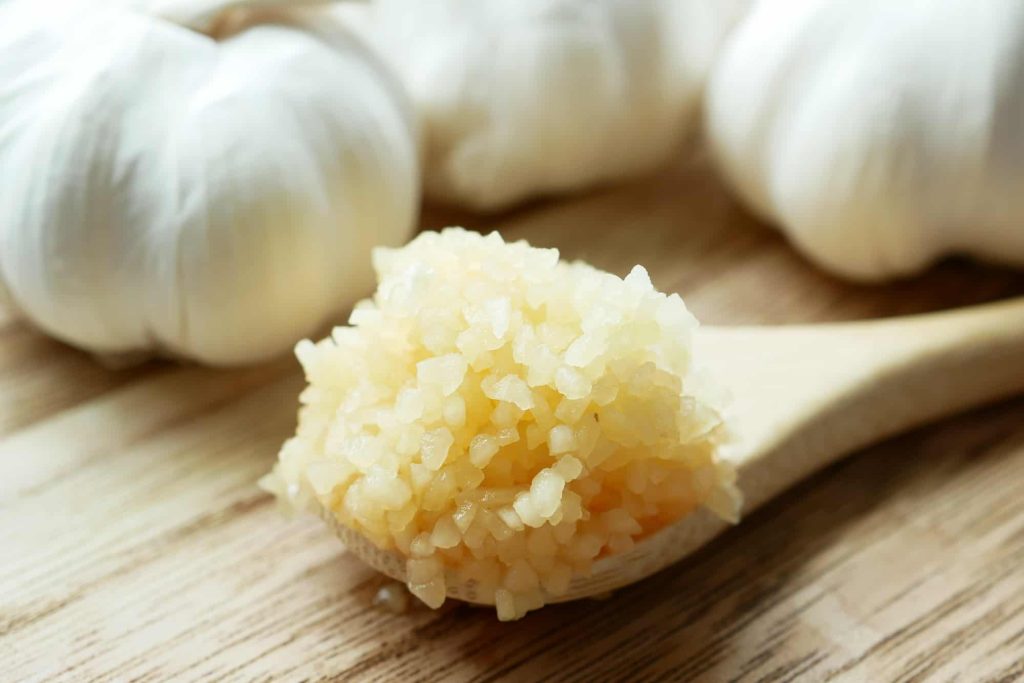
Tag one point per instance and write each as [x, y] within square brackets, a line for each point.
[135, 544]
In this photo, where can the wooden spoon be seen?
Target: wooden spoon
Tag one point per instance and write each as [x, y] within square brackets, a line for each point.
[804, 396]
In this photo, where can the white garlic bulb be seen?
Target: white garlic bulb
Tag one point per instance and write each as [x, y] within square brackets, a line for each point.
[207, 197]
[527, 97]
[879, 135]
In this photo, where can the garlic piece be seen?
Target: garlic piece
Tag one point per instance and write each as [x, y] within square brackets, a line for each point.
[206, 197]
[878, 135]
[392, 597]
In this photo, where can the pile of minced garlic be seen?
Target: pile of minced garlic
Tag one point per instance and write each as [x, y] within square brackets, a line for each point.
[495, 415]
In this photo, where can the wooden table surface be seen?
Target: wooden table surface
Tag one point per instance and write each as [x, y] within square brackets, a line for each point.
[135, 544]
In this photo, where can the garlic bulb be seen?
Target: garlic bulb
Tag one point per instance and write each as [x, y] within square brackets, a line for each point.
[213, 198]
[526, 97]
[878, 135]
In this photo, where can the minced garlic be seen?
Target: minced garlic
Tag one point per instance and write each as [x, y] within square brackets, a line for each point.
[495, 415]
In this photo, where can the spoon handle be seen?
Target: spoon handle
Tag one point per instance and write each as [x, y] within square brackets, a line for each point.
[818, 392]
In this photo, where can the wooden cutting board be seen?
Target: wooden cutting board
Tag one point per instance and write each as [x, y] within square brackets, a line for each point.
[135, 544]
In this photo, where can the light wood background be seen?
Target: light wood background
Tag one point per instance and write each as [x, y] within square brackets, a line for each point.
[134, 543]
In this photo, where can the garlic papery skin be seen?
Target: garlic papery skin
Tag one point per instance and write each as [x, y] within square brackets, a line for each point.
[539, 97]
[879, 136]
[205, 15]
[214, 199]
